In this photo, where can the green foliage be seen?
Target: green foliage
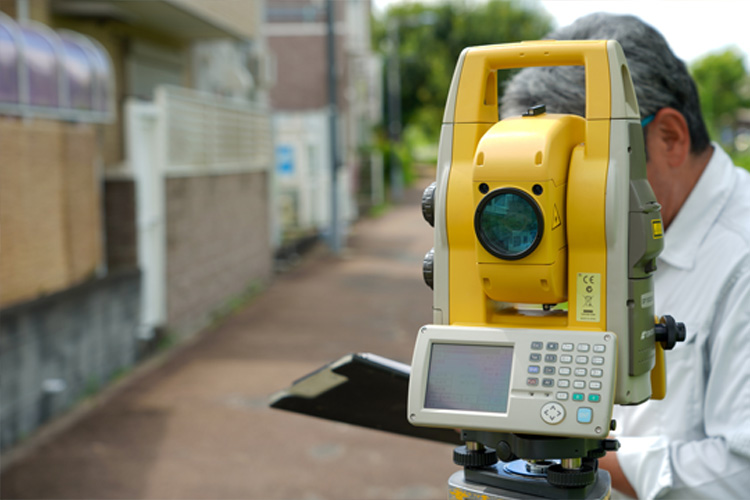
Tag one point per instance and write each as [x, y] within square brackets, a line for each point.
[430, 39]
[742, 160]
[167, 341]
[236, 302]
[92, 386]
[723, 87]
[379, 210]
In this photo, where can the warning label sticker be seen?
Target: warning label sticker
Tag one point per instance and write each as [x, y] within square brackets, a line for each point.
[657, 229]
[588, 297]
[556, 220]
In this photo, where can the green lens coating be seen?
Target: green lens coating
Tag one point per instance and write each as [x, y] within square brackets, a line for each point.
[508, 223]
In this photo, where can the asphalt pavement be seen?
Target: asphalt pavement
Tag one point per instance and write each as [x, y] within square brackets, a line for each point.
[197, 425]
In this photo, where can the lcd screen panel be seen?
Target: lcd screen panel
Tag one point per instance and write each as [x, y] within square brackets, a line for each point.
[469, 377]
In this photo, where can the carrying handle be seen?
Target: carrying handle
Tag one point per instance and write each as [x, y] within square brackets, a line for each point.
[609, 88]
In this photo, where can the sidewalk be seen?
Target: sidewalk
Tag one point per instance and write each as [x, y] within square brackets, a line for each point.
[198, 426]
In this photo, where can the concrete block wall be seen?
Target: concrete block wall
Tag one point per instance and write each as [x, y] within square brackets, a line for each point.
[218, 243]
[56, 350]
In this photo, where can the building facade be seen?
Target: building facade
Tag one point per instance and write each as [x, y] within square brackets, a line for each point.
[297, 33]
[139, 220]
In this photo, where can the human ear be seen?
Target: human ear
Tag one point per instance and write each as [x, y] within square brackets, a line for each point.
[669, 136]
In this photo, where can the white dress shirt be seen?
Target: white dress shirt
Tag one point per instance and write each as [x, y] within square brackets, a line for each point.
[696, 442]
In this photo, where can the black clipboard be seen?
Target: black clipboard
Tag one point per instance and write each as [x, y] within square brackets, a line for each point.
[361, 389]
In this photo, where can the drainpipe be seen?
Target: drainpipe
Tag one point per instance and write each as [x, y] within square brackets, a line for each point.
[335, 230]
[22, 10]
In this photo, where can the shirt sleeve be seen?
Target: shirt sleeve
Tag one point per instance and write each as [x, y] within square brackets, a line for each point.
[719, 465]
[707, 468]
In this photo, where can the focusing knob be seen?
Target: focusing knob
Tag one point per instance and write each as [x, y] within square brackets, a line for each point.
[428, 204]
[483, 457]
[669, 332]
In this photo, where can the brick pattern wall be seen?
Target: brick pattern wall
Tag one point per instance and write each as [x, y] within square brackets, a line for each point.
[81, 198]
[218, 243]
[301, 82]
[302, 72]
[120, 223]
[50, 226]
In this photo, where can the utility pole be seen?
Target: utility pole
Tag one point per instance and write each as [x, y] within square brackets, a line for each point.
[335, 229]
[394, 111]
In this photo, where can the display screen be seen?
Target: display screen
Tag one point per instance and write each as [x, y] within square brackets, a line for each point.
[469, 377]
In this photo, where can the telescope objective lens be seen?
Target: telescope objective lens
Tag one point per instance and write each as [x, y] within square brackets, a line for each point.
[509, 223]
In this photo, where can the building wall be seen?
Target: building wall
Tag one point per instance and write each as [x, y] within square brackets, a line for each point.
[127, 46]
[301, 72]
[120, 217]
[60, 348]
[297, 36]
[239, 16]
[38, 9]
[50, 221]
[297, 33]
[218, 243]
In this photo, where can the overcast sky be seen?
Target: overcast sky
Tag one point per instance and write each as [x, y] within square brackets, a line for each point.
[692, 27]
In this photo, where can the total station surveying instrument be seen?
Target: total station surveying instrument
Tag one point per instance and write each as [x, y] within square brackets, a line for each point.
[532, 212]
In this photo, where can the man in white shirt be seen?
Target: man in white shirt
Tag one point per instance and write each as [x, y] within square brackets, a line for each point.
[696, 442]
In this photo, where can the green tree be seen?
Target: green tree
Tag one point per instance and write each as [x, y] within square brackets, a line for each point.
[430, 39]
[723, 87]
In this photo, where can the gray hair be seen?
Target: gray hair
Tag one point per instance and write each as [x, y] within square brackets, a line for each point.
[661, 80]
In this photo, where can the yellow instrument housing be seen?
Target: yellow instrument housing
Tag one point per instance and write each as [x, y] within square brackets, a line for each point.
[524, 153]
[585, 171]
[575, 160]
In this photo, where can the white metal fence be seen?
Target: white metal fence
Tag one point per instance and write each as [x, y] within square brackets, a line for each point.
[212, 134]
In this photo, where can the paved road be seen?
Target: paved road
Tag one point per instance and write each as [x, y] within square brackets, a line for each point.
[198, 426]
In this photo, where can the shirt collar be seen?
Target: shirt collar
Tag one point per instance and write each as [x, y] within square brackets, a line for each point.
[697, 215]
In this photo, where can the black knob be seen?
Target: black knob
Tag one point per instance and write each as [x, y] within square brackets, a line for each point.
[504, 452]
[610, 444]
[428, 204]
[483, 457]
[537, 110]
[428, 265]
[669, 332]
[571, 478]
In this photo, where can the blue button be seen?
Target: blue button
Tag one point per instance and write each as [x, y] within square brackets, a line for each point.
[585, 415]
[533, 369]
